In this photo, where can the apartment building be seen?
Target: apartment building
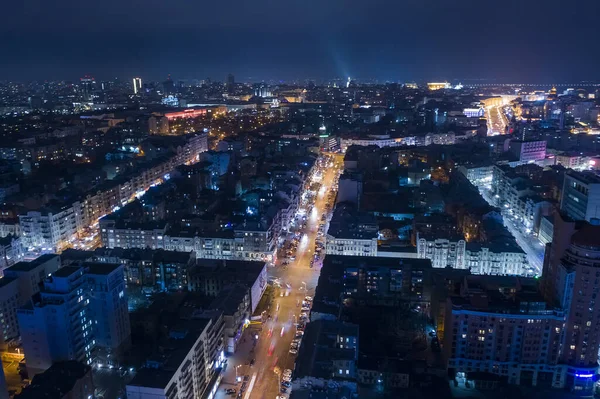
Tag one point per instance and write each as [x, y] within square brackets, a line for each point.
[189, 365]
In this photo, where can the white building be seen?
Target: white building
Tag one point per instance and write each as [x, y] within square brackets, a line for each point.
[361, 245]
[10, 228]
[528, 151]
[11, 251]
[442, 252]
[496, 259]
[352, 233]
[52, 229]
[480, 176]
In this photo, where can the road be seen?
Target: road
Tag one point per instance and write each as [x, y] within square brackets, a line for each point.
[527, 241]
[496, 120]
[273, 351]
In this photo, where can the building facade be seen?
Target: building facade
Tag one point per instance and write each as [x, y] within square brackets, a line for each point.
[581, 195]
[58, 325]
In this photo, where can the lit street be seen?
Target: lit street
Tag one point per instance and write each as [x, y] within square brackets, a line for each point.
[527, 241]
[496, 121]
[272, 349]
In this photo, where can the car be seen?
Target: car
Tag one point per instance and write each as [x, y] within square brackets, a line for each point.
[286, 384]
[246, 378]
[303, 314]
[308, 298]
[252, 362]
[283, 390]
[230, 391]
[299, 334]
[280, 397]
[287, 372]
[294, 351]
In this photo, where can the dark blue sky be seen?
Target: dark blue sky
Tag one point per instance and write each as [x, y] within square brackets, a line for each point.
[510, 40]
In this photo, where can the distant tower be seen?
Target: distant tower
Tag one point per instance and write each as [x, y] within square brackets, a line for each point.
[137, 85]
[348, 82]
[87, 85]
[230, 79]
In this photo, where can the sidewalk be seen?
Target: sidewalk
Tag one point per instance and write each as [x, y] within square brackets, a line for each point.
[240, 358]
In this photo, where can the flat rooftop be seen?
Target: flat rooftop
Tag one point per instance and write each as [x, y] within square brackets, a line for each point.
[174, 351]
[28, 266]
[100, 268]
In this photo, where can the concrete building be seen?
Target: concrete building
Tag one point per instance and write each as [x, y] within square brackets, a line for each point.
[546, 230]
[31, 274]
[502, 325]
[581, 195]
[442, 252]
[570, 279]
[329, 351]
[350, 188]
[80, 314]
[11, 251]
[210, 277]
[57, 324]
[496, 258]
[480, 176]
[189, 366]
[528, 151]
[108, 309]
[352, 233]
[576, 286]
[51, 229]
[235, 303]
[9, 300]
[574, 161]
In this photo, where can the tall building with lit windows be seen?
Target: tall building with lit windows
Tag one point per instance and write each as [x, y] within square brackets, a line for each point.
[57, 324]
[108, 303]
[137, 85]
[503, 326]
[80, 314]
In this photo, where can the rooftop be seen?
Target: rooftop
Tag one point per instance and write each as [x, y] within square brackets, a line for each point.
[66, 271]
[28, 266]
[319, 348]
[175, 349]
[99, 268]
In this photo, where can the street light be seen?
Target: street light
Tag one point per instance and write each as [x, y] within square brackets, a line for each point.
[237, 378]
[277, 371]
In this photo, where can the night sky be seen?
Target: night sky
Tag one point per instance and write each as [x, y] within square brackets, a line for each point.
[509, 41]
